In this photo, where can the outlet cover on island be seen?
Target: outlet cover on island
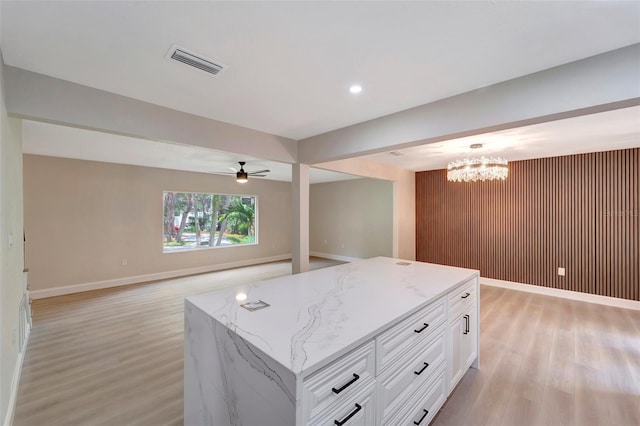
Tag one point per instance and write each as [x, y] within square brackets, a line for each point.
[561, 272]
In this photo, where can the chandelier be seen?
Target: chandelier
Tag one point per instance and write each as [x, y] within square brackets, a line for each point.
[475, 169]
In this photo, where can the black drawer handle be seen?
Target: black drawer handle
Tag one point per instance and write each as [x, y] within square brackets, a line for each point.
[465, 295]
[423, 328]
[352, 381]
[351, 414]
[421, 418]
[466, 324]
[426, 364]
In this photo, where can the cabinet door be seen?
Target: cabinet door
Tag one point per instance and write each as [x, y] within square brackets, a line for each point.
[469, 338]
[456, 356]
[464, 338]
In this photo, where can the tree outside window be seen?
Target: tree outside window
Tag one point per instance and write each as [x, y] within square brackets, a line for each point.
[196, 220]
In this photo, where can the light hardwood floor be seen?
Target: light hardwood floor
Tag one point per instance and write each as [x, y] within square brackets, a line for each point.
[550, 361]
[114, 357]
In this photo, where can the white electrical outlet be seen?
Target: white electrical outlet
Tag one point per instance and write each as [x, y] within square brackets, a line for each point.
[124, 262]
[10, 239]
[561, 272]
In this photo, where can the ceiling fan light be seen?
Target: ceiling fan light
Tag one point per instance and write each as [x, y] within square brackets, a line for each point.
[242, 176]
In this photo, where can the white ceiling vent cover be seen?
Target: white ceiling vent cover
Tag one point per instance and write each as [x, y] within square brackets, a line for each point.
[196, 60]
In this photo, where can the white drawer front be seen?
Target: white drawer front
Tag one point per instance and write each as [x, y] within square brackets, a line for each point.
[463, 296]
[401, 338]
[357, 411]
[425, 404]
[400, 382]
[339, 381]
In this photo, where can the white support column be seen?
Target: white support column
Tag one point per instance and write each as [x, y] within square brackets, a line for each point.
[300, 202]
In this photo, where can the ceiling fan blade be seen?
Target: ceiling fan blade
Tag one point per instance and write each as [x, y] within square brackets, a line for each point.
[259, 171]
[253, 175]
[225, 173]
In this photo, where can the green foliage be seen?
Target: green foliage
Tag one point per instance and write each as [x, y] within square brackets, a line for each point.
[240, 239]
[240, 217]
[182, 209]
[174, 243]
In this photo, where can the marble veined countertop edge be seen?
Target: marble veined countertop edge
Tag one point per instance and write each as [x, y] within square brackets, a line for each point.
[318, 316]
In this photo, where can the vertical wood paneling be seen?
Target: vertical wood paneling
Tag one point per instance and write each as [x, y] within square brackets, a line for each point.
[580, 212]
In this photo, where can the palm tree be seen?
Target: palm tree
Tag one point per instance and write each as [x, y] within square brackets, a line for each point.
[240, 214]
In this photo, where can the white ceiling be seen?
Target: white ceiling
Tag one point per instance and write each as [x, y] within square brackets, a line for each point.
[69, 142]
[605, 131]
[291, 63]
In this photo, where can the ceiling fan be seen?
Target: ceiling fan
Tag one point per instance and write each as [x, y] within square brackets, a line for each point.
[242, 176]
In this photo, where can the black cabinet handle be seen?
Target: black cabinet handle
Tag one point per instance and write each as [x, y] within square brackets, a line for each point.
[466, 324]
[421, 418]
[465, 295]
[417, 373]
[351, 414]
[352, 381]
[423, 328]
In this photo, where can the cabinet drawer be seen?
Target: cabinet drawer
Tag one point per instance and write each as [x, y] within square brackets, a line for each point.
[400, 382]
[339, 381]
[462, 297]
[357, 411]
[408, 334]
[421, 409]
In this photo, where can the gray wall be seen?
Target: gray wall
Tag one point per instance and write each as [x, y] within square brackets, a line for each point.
[83, 217]
[352, 218]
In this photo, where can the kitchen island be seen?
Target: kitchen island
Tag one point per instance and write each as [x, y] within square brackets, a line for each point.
[378, 341]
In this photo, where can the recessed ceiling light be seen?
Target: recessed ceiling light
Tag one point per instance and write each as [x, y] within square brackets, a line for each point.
[356, 88]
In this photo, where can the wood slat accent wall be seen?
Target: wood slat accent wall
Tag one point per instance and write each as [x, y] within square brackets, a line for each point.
[580, 212]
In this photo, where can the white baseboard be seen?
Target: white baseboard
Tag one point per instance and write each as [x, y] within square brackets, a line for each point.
[565, 294]
[77, 288]
[333, 256]
[15, 381]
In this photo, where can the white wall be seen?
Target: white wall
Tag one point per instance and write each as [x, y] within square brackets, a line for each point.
[83, 217]
[11, 256]
[352, 218]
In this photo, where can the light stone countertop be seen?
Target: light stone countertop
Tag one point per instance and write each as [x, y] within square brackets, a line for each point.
[318, 316]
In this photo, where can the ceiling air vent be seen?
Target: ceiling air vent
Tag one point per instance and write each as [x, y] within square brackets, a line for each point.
[195, 60]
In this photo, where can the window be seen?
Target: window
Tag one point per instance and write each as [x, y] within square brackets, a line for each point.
[195, 221]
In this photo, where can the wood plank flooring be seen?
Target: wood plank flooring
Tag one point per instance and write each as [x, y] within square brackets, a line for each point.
[550, 361]
[114, 357]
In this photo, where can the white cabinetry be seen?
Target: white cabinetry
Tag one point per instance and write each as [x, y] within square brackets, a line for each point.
[418, 345]
[408, 383]
[325, 392]
[464, 331]
[359, 410]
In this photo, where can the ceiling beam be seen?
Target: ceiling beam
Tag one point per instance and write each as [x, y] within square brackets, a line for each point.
[600, 83]
[43, 98]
